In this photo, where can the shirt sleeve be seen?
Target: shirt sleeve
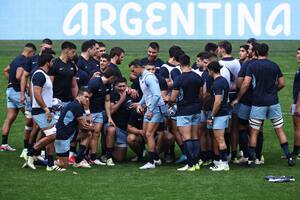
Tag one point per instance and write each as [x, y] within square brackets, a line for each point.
[107, 89]
[38, 79]
[177, 83]
[279, 71]
[242, 71]
[163, 84]
[217, 89]
[164, 72]
[78, 111]
[175, 73]
[249, 71]
[28, 66]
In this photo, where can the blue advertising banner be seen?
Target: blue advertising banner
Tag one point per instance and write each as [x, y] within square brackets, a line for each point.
[170, 19]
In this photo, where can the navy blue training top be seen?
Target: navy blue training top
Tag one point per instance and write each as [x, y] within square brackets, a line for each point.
[247, 97]
[265, 75]
[99, 90]
[221, 87]
[19, 61]
[188, 84]
[67, 123]
[63, 76]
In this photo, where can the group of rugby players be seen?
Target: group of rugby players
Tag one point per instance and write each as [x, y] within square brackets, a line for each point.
[214, 109]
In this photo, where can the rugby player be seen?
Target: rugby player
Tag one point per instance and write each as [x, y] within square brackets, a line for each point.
[63, 74]
[153, 107]
[295, 109]
[13, 73]
[73, 125]
[42, 98]
[100, 107]
[187, 88]
[233, 66]
[219, 116]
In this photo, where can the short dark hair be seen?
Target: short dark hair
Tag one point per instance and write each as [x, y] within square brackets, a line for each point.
[87, 45]
[116, 51]
[173, 50]
[298, 49]
[251, 41]
[214, 66]
[44, 58]
[154, 45]
[203, 55]
[82, 90]
[263, 49]
[178, 53]
[31, 46]
[245, 46]
[68, 45]
[210, 47]
[226, 45]
[184, 60]
[121, 80]
[106, 56]
[101, 44]
[136, 63]
[48, 51]
[47, 41]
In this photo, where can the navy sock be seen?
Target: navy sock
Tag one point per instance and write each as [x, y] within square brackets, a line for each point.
[243, 140]
[251, 151]
[93, 156]
[32, 152]
[30, 146]
[233, 155]
[151, 157]
[285, 148]
[227, 141]
[73, 148]
[109, 152]
[259, 145]
[188, 146]
[203, 155]
[223, 155]
[216, 157]
[4, 139]
[80, 153]
[182, 148]
[172, 149]
[26, 144]
[208, 155]
[156, 157]
[296, 150]
[196, 150]
[50, 160]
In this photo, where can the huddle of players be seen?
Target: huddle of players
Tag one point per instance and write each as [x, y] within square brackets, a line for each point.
[194, 106]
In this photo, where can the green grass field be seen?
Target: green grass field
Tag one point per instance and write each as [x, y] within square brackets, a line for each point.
[125, 180]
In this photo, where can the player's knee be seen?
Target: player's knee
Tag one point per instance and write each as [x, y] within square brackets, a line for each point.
[277, 123]
[131, 138]
[111, 131]
[169, 137]
[255, 123]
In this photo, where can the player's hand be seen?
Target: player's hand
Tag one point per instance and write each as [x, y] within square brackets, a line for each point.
[209, 122]
[134, 105]
[149, 115]
[234, 102]
[133, 93]
[22, 98]
[123, 96]
[49, 116]
[96, 74]
[111, 122]
[142, 133]
[140, 109]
